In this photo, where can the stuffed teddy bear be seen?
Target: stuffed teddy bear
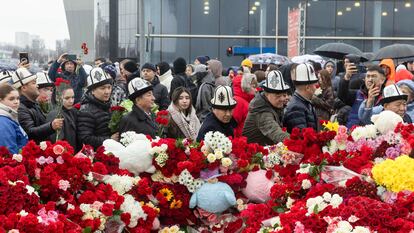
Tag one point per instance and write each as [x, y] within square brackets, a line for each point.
[258, 186]
[136, 157]
[213, 197]
[386, 121]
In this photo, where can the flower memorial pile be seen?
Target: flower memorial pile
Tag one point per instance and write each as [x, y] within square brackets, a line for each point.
[337, 180]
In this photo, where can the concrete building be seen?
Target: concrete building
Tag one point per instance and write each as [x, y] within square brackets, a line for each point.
[22, 39]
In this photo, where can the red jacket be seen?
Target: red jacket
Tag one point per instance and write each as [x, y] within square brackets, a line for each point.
[240, 115]
[238, 91]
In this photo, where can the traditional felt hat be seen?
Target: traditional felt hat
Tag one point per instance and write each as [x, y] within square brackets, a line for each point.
[5, 76]
[21, 77]
[392, 93]
[97, 77]
[223, 98]
[305, 74]
[138, 87]
[274, 83]
[43, 80]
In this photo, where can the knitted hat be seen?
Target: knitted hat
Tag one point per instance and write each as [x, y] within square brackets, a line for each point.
[149, 66]
[247, 62]
[274, 83]
[97, 77]
[43, 80]
[200, 68]
[164, 67]
[109, 69]
[5, 76]
[305, 74]
[138, 87]
[202, 59]
[21, 77]
[392, 93]
[179, 65]
[130, 66]
[223, 98]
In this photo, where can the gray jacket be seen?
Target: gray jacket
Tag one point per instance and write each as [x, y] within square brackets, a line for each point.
[263, 124]
[204, 96]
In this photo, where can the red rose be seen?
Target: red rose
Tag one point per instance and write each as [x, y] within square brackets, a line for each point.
[242, 163]
[77, 106]
[58, 149]
[107, 209]
[118, 108]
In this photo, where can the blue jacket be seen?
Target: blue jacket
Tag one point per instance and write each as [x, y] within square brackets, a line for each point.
[300, 113]
[410, 110]
[211, 123]
[77, 80]
[12, 135]
[364, 114]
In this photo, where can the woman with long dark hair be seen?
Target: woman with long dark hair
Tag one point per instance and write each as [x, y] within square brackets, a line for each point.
[183, 119]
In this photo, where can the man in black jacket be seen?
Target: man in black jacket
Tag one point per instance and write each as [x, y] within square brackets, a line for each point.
[221, 117]
[160, 92]
[300, 112]
[30, 116]
[94, 114]
[140, 119]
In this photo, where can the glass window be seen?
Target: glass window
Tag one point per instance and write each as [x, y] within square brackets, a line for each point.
[320, 18]
[379, 18]
[205, 17]
[202, 47]
[175, 16]
[284, 5]
[350, 18]
[173, 48]
[230, 60]
[402, 16]
[234, 21]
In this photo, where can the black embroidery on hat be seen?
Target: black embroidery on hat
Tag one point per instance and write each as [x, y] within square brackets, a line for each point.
[97, 76]
[221, 97]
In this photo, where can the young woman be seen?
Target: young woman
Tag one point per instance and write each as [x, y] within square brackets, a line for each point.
[183, 120]
[12, 134]
[323, 99]
[69, 114]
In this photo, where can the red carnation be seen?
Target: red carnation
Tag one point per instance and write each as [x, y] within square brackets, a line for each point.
[107, 209]
[117, 108]
[77, 106]
[59, 81]
[126, 218]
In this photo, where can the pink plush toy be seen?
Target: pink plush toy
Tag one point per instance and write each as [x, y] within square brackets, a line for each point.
[258, 186]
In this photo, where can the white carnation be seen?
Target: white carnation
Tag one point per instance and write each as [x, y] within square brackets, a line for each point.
[359, 229]
[121, 184]
[43, 145]
[306, 184]
[134, 209]
[336, 200]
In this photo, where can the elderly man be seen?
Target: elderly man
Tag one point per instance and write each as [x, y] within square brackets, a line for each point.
[221, 116]
[264, 120]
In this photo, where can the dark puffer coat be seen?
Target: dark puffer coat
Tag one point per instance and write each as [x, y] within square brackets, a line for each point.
[300, 113]
[93, 120]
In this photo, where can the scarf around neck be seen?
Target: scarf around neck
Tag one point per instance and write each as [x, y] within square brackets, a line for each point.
[8, 112]
[189, 125]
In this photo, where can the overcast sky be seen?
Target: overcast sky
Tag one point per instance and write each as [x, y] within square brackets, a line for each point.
[45, 18]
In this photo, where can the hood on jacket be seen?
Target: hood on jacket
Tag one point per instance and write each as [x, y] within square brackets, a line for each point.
[62, 66]
[204, 77]
[238, 90]
[165, 76]
[155, 81]
[216, 67]
[403, 75]
[390, 64]
[285, 69]
[408, 83]
[334, 67]
[164, 67]
[8, 112]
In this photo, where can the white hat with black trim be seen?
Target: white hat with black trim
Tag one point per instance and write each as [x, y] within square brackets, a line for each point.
[5, 76]
[43, 80]
[223, 98]
[274, 83]
[392, 93]
[138, 87]
[22, 76]
[305, 74]
[97, 77]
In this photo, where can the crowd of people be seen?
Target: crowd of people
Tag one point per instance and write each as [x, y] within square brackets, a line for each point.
[262, 105]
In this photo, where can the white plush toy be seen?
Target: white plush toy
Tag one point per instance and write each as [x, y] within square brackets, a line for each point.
[386, 121]
[136, 157]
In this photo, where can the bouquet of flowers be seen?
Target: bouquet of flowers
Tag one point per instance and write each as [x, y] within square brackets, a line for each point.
[117, 113]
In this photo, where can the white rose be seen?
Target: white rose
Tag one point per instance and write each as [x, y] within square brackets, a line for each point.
[345, 226]
[289, 202]
[306, 184]
[17, 157]
[327, 197]
[43, 145]
[211, 158]
[226, 162]
[218, 154]
[336, 200]
[353, 218]
[23, 213]
[359, 229]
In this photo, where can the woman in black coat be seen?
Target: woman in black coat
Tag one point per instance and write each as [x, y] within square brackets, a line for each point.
[69, 114]
[140, 120]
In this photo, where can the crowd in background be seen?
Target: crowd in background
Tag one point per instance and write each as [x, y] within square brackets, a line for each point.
[262, 105]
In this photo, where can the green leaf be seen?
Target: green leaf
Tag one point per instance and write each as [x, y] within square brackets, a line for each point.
[315, 209]
[278, 209]
[117, 212]
[87, 230]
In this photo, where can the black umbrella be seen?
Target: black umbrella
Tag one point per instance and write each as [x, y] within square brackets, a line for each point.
[395, 51]
[338, 51]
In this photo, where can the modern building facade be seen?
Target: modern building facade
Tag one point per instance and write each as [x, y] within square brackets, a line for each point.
[189, 28]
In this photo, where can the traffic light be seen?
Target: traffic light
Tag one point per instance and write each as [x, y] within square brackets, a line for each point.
[229, 51]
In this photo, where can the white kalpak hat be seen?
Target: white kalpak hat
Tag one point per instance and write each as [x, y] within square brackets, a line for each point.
[392, 93]
[305, 74]
[223, 98]
[43, 80]
[21, 77]
[137, 87]
[97, 77]
[5, 76]
[274, 83]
